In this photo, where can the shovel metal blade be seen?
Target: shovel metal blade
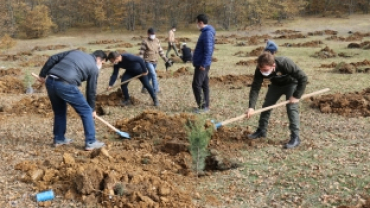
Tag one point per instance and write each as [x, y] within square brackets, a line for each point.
[216, 125]
[123, 134]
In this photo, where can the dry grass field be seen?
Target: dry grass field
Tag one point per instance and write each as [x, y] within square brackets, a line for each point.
[329, 169]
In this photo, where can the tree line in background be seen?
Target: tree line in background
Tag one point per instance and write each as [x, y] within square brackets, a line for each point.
[37, 18]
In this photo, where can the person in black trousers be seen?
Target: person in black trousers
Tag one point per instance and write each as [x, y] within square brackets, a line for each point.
[134, 66]
[186, 55]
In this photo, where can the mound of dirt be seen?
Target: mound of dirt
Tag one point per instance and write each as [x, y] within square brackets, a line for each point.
[285, 31]
[114, 99]
[314, 43]
[13, 57]
[247, 63]
[291, 36]
[35, 61]
[11, 84]
[106, 41]
[331, 65]
[183, 39]
[49, 47]
[256, 52]
[10, 71]
[223, 41]
[323, 32]
[179, 72]
[121, 45]
[349, 38]
[135, 38]
[34, 105]
[235, 80]
[350, 68]
[175, 59]
[351, 104]
[364, 45]
[325, 53]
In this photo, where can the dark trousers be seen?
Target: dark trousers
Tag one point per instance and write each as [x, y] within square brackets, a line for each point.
[273, 95]
[201, 87]
[143, 79]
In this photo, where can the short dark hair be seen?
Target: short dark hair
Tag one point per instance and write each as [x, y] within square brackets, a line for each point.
[266, 58]
[202, 18]
[113, 55]
[151, 31]
[101, 54]
[173, 26]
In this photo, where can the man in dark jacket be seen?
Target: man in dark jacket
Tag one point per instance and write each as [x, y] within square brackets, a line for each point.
[65, 72]
[185, 53]
[134, 66]
[286, 79]
[202, 59]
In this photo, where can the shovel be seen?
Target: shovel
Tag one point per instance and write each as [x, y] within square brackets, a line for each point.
[132, 78]
[231, 120]
[121, 133]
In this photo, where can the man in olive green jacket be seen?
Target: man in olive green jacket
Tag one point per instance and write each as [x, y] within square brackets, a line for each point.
[286, 79]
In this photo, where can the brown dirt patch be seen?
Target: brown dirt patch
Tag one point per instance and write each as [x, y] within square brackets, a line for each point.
[285, 31]
[114, 99]
[121, 45]
[314, 43]
[11, 84]
[350, 38]
[323, 32]
[10, 71]
[35, 61]
[106, 41]
[49, 47]
[236, 80]
[33, 105]
[291, 36]
[353, 67]
[252, 40]
[325, 53]
[364, 45]
[247, 63]
[255, 52]
[224, 41]
[183, 71]
[135, 38]
[355, 104]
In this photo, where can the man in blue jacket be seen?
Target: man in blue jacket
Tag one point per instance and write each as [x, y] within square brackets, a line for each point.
[134, 66]
[65, 72]
[202, 59]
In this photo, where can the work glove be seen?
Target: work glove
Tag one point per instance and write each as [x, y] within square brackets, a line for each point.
[168, 64]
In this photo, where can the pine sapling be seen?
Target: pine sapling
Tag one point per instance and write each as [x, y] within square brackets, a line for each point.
[199, 138]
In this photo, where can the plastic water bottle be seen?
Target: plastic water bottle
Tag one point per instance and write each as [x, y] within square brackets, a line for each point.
[45, 196]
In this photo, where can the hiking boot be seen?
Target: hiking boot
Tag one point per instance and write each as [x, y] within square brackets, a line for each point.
[60, 143]
[144, 91]
[156, 102]
[94, 145]
[258, 134]
[293, 142]
[126, 103]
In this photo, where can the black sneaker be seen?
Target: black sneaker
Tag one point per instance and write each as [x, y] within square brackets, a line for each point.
[126, 103]
[293, 142]
[257, 134]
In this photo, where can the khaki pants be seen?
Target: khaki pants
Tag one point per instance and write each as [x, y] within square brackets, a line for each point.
[173, 46]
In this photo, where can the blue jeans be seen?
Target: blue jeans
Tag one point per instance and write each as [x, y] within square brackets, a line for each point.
[61, 93]
[152, 75]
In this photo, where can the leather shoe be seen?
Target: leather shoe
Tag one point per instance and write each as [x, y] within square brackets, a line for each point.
[258, 134]
[293, 142]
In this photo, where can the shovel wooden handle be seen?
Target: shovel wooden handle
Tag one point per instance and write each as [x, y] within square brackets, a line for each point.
[132, 78]
[271, 107]
[108, 124]
[35, 75]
